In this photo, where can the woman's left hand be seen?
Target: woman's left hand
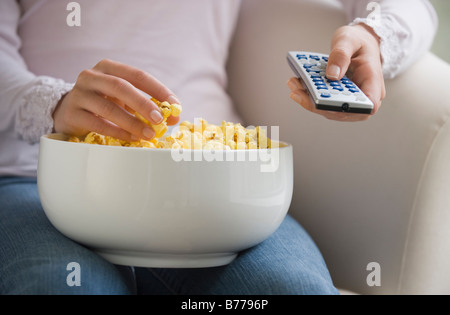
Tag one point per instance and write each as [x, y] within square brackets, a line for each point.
[355, 52]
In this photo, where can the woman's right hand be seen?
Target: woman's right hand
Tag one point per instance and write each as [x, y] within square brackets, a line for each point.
[105, 98]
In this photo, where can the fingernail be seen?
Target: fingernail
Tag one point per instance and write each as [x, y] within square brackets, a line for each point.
[148, 133]
[156, 117]
[173, 100]
[333, 72]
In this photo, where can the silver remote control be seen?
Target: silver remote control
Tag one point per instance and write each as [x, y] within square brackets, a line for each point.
[332, 95]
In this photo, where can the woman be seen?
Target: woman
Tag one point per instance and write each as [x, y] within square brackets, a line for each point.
[55, 77]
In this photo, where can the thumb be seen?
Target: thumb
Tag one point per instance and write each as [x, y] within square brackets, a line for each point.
[342, 50]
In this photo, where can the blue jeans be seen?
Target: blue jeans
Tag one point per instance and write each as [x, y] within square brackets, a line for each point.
[34, 259]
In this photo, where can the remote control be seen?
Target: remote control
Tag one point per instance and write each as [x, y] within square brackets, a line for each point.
[332, 95]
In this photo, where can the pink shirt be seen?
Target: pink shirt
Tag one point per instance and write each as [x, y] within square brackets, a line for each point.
[182, 43]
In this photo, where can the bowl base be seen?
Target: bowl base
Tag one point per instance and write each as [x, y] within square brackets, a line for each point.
[155, 260]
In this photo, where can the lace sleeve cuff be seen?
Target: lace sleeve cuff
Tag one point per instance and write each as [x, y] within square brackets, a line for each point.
[393, 37]
[34, 117]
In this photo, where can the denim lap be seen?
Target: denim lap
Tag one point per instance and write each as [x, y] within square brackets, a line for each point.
[286, 263]
[34, 258]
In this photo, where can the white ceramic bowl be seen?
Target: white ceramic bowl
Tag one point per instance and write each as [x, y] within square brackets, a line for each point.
[145, 207]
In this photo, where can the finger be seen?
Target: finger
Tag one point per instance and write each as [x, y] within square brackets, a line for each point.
[294, 84]
[371, 82]
[342, 50]
[345, 117]
[373, 91]
[119, 116]
[138, 78]
[302, 98]
[87, 122]
[383, 86]
[171, 120]
[121, 104]
[122, 90]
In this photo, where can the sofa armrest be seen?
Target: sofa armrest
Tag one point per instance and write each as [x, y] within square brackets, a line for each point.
[427, 250]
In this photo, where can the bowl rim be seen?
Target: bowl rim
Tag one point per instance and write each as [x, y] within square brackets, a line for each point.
[60, 137]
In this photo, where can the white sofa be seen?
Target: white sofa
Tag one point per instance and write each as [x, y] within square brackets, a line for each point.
[377, 191]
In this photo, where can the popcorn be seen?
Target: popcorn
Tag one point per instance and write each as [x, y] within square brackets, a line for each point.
[167, 110]
[96, 138]
[201, 136]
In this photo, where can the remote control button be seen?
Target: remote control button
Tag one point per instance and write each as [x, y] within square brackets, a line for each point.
[338, 88]
[326, 95]
[353, 90]
[322, 87]
[308, 66]
[335, 84]
[314, 57]
[315, 76]
[325, 59]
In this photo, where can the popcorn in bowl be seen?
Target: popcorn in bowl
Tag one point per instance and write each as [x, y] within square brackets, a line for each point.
[196, 136]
